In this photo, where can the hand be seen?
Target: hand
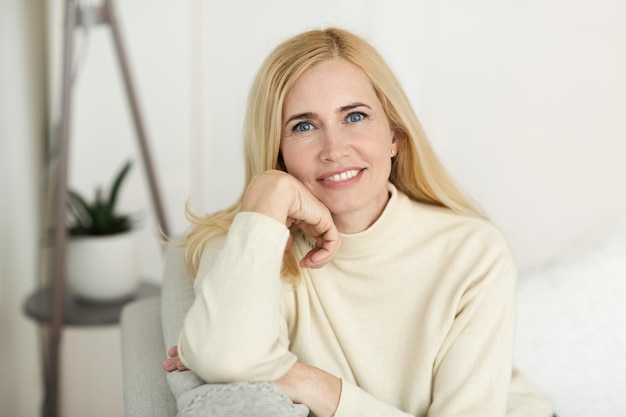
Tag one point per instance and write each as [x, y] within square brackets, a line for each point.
[317, 389]
[281, 196]
[173, 363]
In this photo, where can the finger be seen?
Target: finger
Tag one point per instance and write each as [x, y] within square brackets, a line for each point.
[289, 242]
[169, 365]
[173, 351]
[326, 246]
[174, 364]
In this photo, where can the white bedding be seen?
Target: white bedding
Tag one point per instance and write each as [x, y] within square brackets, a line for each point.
[571, 327]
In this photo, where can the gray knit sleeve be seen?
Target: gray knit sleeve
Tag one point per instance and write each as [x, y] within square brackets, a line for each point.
[240, 399]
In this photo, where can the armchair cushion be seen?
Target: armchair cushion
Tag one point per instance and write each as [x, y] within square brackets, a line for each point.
[177, 295]
[146, 392]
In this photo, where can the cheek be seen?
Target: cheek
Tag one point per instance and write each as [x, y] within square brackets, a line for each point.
[294, 160]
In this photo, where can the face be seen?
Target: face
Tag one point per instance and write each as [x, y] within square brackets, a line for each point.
[337, 141]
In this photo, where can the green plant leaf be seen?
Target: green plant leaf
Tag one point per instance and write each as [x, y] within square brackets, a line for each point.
[116, 185]
[98, 218]
[81, 211]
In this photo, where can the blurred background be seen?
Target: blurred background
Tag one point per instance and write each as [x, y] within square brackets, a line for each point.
[524, 102]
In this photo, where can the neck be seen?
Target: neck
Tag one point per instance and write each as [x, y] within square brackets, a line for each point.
[355, 222]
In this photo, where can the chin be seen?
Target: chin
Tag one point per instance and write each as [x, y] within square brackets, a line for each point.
[342, 207]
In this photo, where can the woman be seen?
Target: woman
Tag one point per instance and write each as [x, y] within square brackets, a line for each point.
[352, 271]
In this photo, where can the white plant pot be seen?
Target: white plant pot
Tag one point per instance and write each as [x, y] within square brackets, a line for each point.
[103, 268]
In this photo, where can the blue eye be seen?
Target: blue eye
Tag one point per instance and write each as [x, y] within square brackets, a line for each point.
[355, 117]
[303, 127]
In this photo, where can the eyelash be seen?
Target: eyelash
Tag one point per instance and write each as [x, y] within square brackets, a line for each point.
[298, 126]
[362, 115]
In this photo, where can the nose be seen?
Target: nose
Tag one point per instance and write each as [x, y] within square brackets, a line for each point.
[334, 144]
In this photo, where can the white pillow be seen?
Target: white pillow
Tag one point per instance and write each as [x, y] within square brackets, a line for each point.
[571, 327]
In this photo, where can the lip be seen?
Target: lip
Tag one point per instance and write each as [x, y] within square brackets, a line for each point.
[352, 175]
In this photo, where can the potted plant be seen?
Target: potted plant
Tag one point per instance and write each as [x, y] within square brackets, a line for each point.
[102, 263]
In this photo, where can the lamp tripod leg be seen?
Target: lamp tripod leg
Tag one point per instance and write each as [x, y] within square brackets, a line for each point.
[139, 125]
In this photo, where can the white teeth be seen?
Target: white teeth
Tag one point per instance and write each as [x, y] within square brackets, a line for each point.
[343, 176]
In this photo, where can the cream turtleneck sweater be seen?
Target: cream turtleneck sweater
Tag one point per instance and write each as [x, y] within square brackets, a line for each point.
[414, 314]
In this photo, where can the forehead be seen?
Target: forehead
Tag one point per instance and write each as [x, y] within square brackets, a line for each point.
[333, 82]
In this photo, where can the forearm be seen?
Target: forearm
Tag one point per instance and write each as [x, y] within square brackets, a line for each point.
[313, 387]
[234, 330]
[328, 396]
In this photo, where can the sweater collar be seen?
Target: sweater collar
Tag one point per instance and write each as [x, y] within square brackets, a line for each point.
[380, 233]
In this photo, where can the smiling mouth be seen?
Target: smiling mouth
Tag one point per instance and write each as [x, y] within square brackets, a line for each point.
[343, 176]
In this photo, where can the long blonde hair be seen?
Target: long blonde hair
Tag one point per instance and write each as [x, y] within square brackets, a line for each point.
[416, 171]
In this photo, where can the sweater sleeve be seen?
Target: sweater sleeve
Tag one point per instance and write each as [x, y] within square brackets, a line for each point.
[472, 371]
[355, 402]
[234, 330]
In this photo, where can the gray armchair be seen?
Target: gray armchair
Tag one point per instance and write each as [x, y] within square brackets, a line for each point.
[146, 389]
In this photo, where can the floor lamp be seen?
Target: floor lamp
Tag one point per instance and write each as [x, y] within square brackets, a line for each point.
[76, 15]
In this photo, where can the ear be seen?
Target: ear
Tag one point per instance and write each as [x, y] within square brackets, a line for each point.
[394, 142]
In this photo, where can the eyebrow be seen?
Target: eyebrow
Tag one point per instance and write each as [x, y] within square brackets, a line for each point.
[310, 115]
[352, 106]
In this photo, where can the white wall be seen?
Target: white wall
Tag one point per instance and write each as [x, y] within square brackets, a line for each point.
[22, 122]
[523, 101]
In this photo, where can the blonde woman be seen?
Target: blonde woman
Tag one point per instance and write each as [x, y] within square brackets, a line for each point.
[352, 272]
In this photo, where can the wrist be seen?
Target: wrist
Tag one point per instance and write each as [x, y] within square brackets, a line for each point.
[313, 387]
